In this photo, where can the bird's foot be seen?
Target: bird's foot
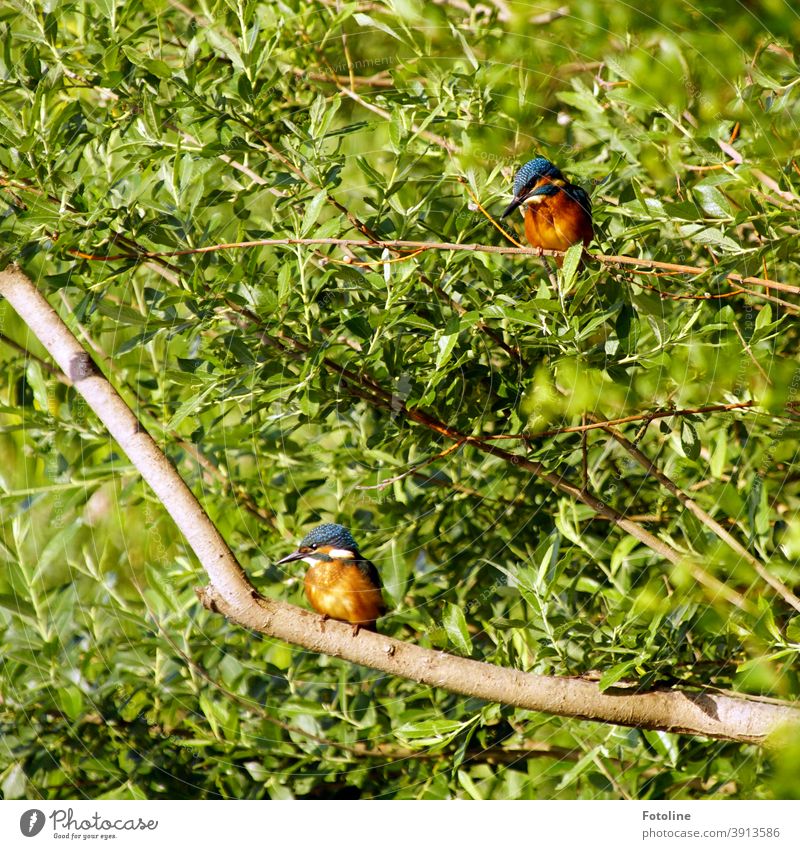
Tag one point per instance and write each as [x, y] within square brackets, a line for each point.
[323, 619]
[356, 628]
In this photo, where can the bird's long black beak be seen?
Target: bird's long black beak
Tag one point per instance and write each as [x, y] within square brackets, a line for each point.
[518, 201]
[295, 555]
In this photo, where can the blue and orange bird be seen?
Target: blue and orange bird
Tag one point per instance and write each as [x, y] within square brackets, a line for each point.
[558, 214]
[340, 583]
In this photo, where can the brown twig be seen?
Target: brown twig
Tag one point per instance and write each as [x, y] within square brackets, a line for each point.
[439, 140]
[748, 350]
[380, 80]
[655, 414]
[674, 268]
[681, 296]
[440, 456]
[21, 349]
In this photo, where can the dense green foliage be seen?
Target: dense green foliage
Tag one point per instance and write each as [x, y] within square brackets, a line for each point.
[280, 379]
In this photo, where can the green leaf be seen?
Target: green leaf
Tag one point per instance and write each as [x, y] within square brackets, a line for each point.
[368, 21]
[569, 269]
[70, 700]
[710, 236]
[757, 507]
[14, 782]
[107, 8]
[445, 343]
[19, 607]
[470, 786]
[429, 732]
[465, 48]
[714, 203]
[719, 455]
[223, 44]
[285, 282]
[664, 744]
[455, 624]
[190, 406]
[767, 621]
[312, 212]
[690, 441]
[615, 673]
[764, 317]
[210, 712]
[158, 68]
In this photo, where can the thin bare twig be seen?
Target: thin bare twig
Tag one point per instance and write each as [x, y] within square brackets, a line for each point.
[674, 268]
[441, 455]
[655, 414]
[21, 349]
[748, 350]
[426, 134]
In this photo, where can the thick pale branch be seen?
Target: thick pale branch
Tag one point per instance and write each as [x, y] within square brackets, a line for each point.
[709, 713]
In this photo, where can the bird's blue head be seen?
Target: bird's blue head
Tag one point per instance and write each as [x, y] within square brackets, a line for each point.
[324, 542]
[527, 178]
[335, 535]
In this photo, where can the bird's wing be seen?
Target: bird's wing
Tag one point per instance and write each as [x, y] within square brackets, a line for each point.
[371, 573]
[545, 189]
[580, 196]
[368, 568]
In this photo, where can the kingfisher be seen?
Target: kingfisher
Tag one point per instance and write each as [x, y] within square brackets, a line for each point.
[558, 213]
[340, 583]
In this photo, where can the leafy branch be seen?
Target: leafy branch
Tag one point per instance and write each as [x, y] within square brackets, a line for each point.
[709, 713]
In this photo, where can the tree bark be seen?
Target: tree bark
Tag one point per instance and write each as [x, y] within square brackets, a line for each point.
[710, 713]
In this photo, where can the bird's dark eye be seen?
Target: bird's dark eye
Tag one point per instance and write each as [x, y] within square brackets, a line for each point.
[314, 547]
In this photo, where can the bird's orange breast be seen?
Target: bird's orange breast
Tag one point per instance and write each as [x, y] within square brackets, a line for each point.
[556, 222]
[342, 591]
